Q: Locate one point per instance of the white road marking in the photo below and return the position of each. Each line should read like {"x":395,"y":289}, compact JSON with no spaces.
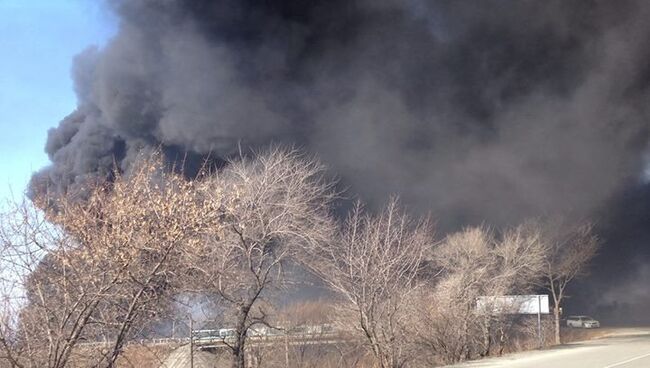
{"x":627,"y":361}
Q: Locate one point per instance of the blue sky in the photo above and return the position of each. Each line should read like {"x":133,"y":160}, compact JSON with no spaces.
{"x":38,"y":40}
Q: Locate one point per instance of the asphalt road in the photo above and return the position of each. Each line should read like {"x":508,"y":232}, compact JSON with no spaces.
{"x":629,"y":348}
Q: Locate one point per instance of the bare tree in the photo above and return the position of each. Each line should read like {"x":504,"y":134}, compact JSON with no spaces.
{"x":273,"y":204}
{"x":373,"y":266}
{"x":570,"y":250}
{"x":21,"y":233}
{"x":49,"y":300}
{"x":99,"y":265}
{"x":139,"y":229}
{"x":474,"y":263}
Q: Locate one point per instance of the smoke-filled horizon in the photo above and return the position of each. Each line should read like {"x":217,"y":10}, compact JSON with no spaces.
{"x":476,"y":112}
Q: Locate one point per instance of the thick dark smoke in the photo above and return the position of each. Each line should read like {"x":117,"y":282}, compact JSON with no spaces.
{"x":476,"y":111}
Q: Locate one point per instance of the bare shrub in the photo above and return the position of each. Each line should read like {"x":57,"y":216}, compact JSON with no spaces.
{"x":474,"y":263}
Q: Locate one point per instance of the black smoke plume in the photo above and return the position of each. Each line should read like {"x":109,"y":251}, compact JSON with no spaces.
{"x":476,"y":111}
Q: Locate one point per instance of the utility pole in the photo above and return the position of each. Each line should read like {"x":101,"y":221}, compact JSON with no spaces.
{"x":539,"y":320}
{"x":191,"y":343}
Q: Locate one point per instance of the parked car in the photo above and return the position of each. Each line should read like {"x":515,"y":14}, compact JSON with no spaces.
{"x":582,"y":322}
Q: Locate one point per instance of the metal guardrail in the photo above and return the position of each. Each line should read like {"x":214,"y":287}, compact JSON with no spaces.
{"x":222,"y":342}
{"x":157,"y":341}
{"x":268,"y":340}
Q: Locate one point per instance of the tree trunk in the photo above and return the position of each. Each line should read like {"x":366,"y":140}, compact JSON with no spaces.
{"x":239,"y":346}
{"x":502,"y":341}
{"x":556,"y":315}
{"x":487,"y":338}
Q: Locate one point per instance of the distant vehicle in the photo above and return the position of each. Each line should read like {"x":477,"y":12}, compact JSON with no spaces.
{"x":582,"y":322}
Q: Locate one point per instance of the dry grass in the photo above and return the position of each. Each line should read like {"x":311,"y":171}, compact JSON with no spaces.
{"x":136,"y":355}
{"x":584,"y":334}
{"x":145,"y":356}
